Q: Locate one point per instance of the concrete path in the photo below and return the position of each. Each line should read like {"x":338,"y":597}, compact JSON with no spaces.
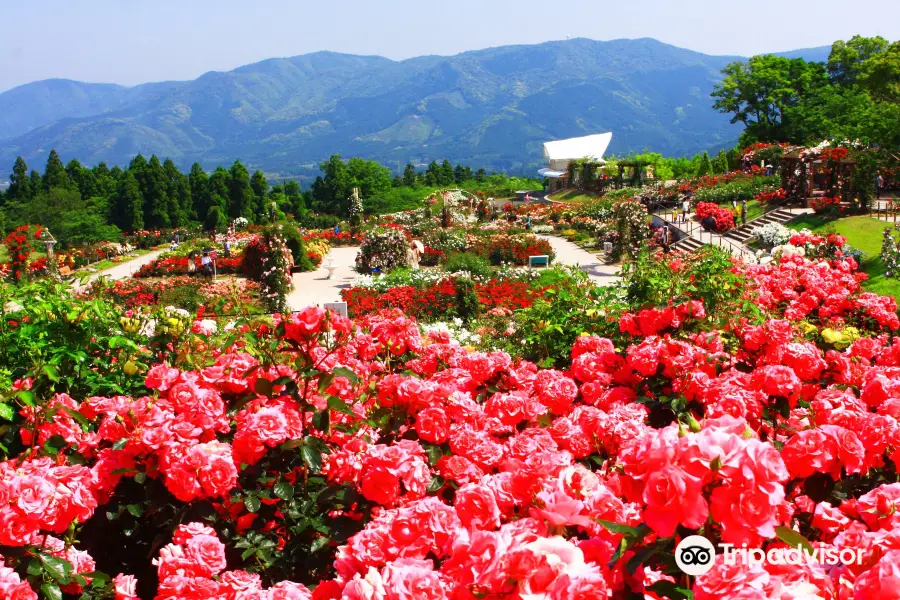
{"x":568,"y":253}
{"x":122,"y":270}
{"x":312,"y":288}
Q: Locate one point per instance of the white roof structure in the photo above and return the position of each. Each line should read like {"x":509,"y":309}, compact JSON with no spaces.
{"x":560,"y":152}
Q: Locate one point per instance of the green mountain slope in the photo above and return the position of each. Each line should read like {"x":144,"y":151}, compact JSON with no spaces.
{"x":491,"y":108}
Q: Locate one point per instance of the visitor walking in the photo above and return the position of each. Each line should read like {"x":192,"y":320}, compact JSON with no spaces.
{"x":743,"y":212}
{"x":227,"y":247}
{"x":337,"y":229}
{"x":685,"y":209}
{"x":412,"y":256}
{"x":666,"y":238}
{"x":528,"y":223}
{"x":879,"y":186}
{"x":206,"y":264}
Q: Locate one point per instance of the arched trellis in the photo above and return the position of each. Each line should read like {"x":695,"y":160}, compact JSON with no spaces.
{"x":827,"y":171}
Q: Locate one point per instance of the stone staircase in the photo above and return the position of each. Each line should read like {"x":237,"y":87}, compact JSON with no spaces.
{"x":744,"y":233}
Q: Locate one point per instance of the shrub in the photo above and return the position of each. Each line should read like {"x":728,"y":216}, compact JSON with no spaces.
{"x":513,"y":249}
{"x":294,"y":241}
{"x":469,"y":263}
{"x":187,"y":297}
{"x":740,"y":189}
{"x":467,"y":303}
{"x":724,"y":217}
{"x":384,"y":249}
{"x":773,"y":234}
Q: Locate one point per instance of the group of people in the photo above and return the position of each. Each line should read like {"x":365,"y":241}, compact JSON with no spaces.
{"x":207,"y":257}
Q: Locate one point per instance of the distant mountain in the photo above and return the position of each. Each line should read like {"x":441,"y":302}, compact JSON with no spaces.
{"x":492,"y":108}
{"x":818,"y":54}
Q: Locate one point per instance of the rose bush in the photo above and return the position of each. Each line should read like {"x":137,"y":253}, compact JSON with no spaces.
{"x":320,"y":458}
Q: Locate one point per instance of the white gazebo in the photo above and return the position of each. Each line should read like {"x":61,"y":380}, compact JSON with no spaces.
{"x":560,"y":153}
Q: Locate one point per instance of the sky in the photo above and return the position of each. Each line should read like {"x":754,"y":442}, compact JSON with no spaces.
{"x":136,"y":41}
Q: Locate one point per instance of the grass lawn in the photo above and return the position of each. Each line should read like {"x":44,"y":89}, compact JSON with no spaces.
{"x":4,"y":255}
{"x":861,"y":232}
{"x":573,"y":196}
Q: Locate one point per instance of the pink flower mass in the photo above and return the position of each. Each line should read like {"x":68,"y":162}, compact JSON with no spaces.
{"x":464,"y":475}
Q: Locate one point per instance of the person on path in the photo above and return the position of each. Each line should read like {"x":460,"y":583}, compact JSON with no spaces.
{"x":879,"y":186}
{"x":227,"y":248}
{"x":528,"y":223}
{"x":337,"y":229}
{"x":412,"y":256}
{"x":685,"y":209}
{"x":206,"y":264}
{"x":743,"y":212}
{"x":666,"y":238}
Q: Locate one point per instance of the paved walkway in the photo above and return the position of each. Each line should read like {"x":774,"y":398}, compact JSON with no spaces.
{"x":568,"y":253}
{"x":122,"y":270}
{"x":312,"y":288}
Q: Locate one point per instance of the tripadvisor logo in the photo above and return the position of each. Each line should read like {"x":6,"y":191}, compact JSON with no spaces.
{"x":696,"y":555}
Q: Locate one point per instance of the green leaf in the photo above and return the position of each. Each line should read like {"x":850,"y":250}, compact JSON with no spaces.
{"x":325,"y":379}
{"x":58,"y":568}
{"x":619,"y":528}
{"x":98,"y":578}
{"x":434,"y":454}
{"x":77,"y":416}
{"x":793,"y":539}
{"x":135,"y":509}
{"x":26,"y":396}
{"x":311,"y":456}
{"x":671,"y":590}
{"x":435,"y":484}
{"x":284,"y":490}
{"x":322,"y":421}
{"x":345,"y":372}
{"x":120,"y":444}
{"x":335,"y":403}
{"x":6,"y":412}
{"x":51,"y":591}
{"x":34,"y":568}
{"x":252,"y":504}
{"x":318,"y":544}
{"x":263,"y":387}
{"x":51,"y":373}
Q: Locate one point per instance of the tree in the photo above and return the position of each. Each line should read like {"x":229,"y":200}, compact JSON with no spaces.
{"x":372,"y":178}
{"x":846,"y":58}
{"x":480,"y":175}
{"x":154,"y":189}
{"x":106,"y":180}
{"x":433,"y":175}
{"x":178,"y":192}
{"x":880,"y":74}
{"x":294,"y":197}
{"x":19,"y":184}
{"x":446,"y":173}
{"x":461,"y":174}
{"x":128,"y":208}
{"x":200,"y":192}
{"x":37,"y":182}
{"x":705,"y":167}
{"x":55,"y":174}
{"x":331,"y":192}
{"x":260,"y":186}
{"x":409,"y":176}
{"x":240,"y":195}
{"x":720,"y":163}
{"x":760,"y":91}
{"x":82,"y":178}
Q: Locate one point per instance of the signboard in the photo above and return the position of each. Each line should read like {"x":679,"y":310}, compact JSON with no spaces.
{"x":339,"y":308}
{"x":538,"y":262}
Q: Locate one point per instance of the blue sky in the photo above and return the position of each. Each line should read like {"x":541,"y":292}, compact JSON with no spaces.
{"x":135,"y":41}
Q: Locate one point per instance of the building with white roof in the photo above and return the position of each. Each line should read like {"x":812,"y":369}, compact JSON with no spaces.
{"x":560,"y":153}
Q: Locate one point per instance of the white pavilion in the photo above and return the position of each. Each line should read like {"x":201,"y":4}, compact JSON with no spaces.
{"x":560,"y":153}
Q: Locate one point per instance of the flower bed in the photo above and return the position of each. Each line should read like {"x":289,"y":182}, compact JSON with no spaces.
{"x":368,"y":461}
{"x":724,"y":217}
{"x":211,"y":297}
{"x":512,"y":249}
{"x":168,"y":265}
{"x":436,"y":300}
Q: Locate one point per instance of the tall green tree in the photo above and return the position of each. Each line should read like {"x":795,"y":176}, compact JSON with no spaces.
{"x":880,"y":74}
{"x":178,"y":191}
{"x":260,"y":186}
{"x":846,"y":58}
{"x":409,"y":176}
{"x":761,"y":91}
{"x":154,"y":189}
{"x":19,"y":184}
{"x":128,"y":207}
{"x":55,"y":173}
{"x":37,"y":182}
{"x":200,"y":193}
{"x":82,"y":178}
{"x":240,"y":195}
{"x":705,"y":167}
{"x":446,"y":173}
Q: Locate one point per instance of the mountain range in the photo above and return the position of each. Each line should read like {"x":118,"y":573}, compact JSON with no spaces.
{"x":488,"y":108}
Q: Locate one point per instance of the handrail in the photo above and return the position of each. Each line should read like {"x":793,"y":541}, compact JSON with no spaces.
{"x":714,"y":239}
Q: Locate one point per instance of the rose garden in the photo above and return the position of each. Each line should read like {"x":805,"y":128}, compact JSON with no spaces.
{"x":495,"y":398}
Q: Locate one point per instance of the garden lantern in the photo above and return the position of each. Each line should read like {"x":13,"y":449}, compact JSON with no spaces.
{"x":49,"y":242}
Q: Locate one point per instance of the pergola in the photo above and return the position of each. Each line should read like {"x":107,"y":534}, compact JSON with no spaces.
{"x":805,"y":176}
{"x":560,"y":154}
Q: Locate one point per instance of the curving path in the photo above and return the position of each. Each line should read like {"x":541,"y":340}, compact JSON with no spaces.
{"x":313,"y":288}
{"x":568,"y":253}
{"x":122,"y":270}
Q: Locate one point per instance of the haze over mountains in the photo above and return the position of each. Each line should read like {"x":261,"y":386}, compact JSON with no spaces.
{"x":489,"y":108}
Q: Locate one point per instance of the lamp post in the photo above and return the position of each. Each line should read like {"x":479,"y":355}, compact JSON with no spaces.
{"x":49,"y":242}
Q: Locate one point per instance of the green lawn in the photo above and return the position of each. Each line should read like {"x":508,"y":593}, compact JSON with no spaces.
{"x":863,"y":233}
{"x":573,"y":196}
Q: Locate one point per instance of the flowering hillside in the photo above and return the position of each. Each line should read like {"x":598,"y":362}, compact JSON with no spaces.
{"x":318,"y":457}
